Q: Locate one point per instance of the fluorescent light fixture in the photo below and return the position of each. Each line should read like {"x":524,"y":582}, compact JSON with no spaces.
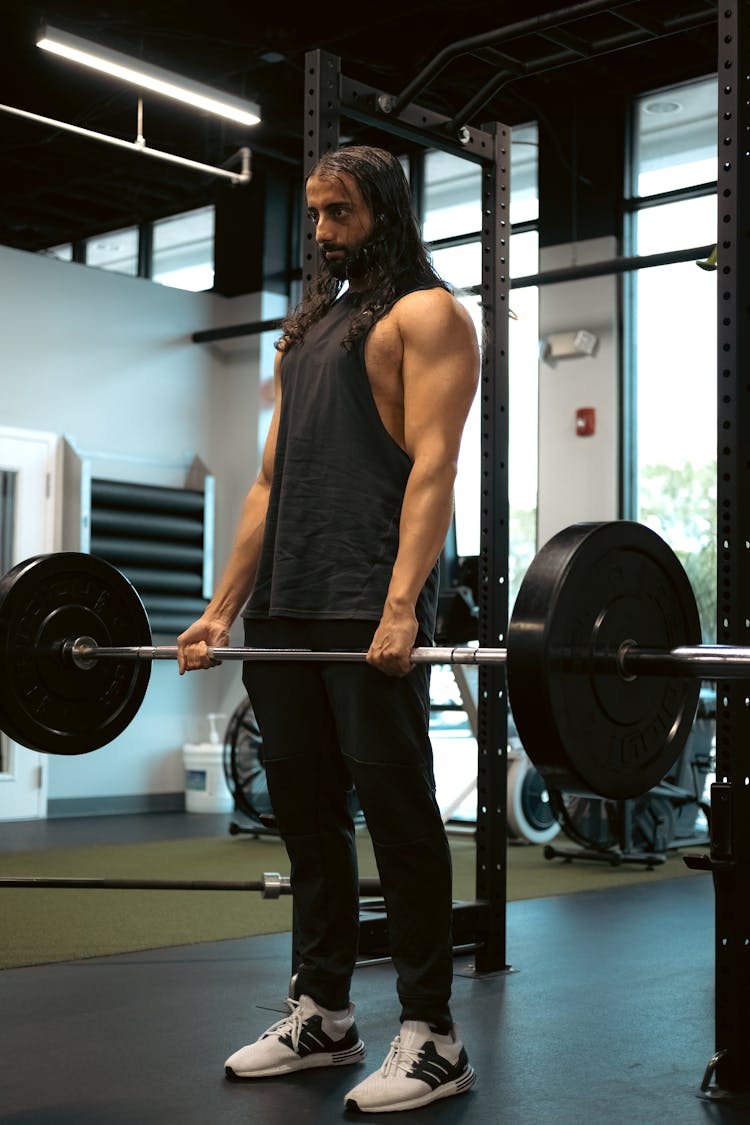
{"x":147,"y":76}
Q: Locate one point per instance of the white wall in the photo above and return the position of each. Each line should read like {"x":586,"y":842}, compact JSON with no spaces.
{"x":578,"y":478}
{"x":107,"y":361}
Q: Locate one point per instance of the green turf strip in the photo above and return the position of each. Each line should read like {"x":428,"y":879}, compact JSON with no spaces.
{"x":39,"y":926}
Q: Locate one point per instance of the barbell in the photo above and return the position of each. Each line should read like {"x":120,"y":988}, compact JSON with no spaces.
{"x":271,"y":886}
{"x":603,"y":657}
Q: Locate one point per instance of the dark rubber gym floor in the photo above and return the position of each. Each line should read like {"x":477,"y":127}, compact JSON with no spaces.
{"x":606,"y":1019}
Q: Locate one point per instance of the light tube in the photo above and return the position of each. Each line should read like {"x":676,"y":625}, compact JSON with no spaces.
{"x":147,"y":76}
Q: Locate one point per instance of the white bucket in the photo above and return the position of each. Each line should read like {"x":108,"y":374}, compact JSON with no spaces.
{"x":206,"y":787}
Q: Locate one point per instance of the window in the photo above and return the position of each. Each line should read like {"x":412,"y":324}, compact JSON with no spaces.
{"x":523,"y":351}
{"x":672,"y":314}
{"x":116,"y":251}
{"x":452,"y":221}
{"x":183,"y":251}
{"x":524,"y":172}
{"x":64,"y":253}
{"x":675,"y":138}
{"x":452,"y":197}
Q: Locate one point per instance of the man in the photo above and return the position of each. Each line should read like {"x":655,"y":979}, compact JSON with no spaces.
{"x":337,"y":548}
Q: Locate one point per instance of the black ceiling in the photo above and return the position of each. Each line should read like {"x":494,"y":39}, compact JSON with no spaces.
{"x":56,"y":187}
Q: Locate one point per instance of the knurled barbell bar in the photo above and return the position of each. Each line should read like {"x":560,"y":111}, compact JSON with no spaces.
{"x":704,"y":662}
{"x":84,"y":652}
{"x":603,"y":657}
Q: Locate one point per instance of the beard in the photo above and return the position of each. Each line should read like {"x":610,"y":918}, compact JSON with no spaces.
{"x":354,"y":265}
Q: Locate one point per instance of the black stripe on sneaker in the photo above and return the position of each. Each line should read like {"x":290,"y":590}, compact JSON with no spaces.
{"x":434,"y":1070}
{"x":312,"y":1039}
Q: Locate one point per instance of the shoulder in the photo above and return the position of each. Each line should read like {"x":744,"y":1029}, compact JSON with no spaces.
{"x":420,"y":300}
{"x":432,"y":312}
{"x":435,"y":304}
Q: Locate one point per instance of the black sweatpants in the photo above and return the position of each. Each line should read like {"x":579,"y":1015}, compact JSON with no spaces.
{"x":326,"y":726}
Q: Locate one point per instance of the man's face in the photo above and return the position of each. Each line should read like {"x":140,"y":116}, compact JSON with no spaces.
{"x":343,"y":222}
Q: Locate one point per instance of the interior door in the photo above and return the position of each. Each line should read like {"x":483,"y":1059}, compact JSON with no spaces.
{"x":28,"y":477}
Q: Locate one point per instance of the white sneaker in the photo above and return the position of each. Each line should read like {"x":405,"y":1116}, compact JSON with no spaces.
{"x":420,"y":1067}
{"x":309,"y":1036}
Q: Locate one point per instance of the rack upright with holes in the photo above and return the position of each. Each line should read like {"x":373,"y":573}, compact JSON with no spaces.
{"x":728,"y":1074}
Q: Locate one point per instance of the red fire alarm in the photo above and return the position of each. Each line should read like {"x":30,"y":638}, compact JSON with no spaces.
{"x":585,"y":421}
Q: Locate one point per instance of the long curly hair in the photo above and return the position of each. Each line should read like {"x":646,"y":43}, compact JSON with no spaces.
{"x":397,"y":258}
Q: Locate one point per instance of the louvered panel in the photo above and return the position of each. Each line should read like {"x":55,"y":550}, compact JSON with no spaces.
{"x":157,"y":537}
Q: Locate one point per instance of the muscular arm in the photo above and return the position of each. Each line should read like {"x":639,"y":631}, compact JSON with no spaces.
{"x":236,"y":582}
{"x":440,"y":372}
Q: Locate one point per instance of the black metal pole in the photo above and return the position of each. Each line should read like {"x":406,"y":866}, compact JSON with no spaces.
{"x":492,"y":711}
{"x":250,"y":328}
{"x":611,"y":266}
{"x":730,"y":802}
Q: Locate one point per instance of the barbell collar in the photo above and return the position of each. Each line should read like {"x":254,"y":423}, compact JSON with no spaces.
{"x":275,"y":885}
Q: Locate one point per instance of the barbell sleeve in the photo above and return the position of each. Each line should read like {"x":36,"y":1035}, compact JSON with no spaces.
{"x":702,"y":662}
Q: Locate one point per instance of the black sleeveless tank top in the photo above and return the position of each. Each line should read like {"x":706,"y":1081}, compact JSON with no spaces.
{"x":332,"y":527}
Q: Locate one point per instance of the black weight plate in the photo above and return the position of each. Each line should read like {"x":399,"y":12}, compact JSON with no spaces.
{"x":590,"y":588}
{"x":48,"y":703}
